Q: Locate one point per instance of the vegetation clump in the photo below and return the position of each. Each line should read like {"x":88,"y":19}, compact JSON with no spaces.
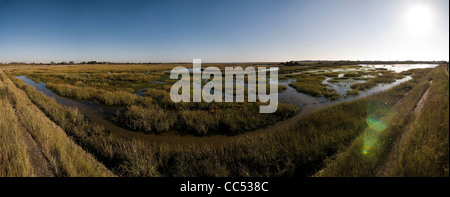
{"x":313,"y":85}
{"x":387,"y":77}
{"x":149,"y":119}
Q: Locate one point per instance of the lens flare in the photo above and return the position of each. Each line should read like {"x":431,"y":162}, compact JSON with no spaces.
{"x":376,"y":124}
{"x":370,"y":139}
{"x":375,"y":110}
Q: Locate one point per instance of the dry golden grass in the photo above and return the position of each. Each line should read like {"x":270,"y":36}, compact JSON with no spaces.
{"x":14,"y":160}
{"x":68,"y":158}
{"x":426,"y":149}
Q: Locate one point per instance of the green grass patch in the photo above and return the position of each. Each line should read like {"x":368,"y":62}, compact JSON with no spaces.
{"x":313,"y":85}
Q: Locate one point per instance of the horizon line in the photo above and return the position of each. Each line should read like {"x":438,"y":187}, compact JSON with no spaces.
{"x":218,"y":62}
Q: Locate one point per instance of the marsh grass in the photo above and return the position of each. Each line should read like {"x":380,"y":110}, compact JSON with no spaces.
{"x":386,"y":77}
{"x":370,"y":149}
{"x":65,"y":155}
{"x":111,"y":151}
{"x":331,"y":74}
{"x":127,"y":157}
{"x":300,"y":151}
{"x":153,"y":113}
{"x":14,"y":160}
{"x":108,"y":77}
{"x":352,"y":93}
{"x":202,"y":119}
{"x":426,"y":149}
{"x":352,"y":75}
{"x":149,"y":119}
{"x":281,"y":88}
{"x":313,"y":85}
{"x":99,"y":95}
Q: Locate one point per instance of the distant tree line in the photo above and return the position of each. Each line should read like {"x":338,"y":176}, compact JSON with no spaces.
{"x":348,"y":62}
{"x":288,"y":63}
{"x":73,"y":63}
{"x":291,"y":63}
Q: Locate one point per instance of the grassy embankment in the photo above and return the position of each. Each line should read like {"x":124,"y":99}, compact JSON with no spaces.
{"x":67,"y":157}
{"x":300,"y":151}
{"x":426,"y":149}
{"x":425,"y":153}
{"x":14,"y":161}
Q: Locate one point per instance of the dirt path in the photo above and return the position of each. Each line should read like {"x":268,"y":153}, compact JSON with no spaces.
{"x":384,"y":170}
{"x":421,"y":103}
{"x":40,"y":163}
{"x":446,"y":71}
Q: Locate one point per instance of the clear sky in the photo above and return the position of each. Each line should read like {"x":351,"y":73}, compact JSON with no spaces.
{"x":223,"y":31}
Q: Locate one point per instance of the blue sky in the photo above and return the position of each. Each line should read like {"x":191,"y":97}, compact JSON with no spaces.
{"x":223,"y":31}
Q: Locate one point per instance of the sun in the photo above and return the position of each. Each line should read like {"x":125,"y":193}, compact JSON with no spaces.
{"x":419,"y":18}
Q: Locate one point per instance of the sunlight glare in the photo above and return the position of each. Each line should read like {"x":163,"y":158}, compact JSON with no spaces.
{"x":419,"y":19}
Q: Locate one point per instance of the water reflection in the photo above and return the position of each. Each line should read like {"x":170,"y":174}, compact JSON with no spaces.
{"x":398,"y":67}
